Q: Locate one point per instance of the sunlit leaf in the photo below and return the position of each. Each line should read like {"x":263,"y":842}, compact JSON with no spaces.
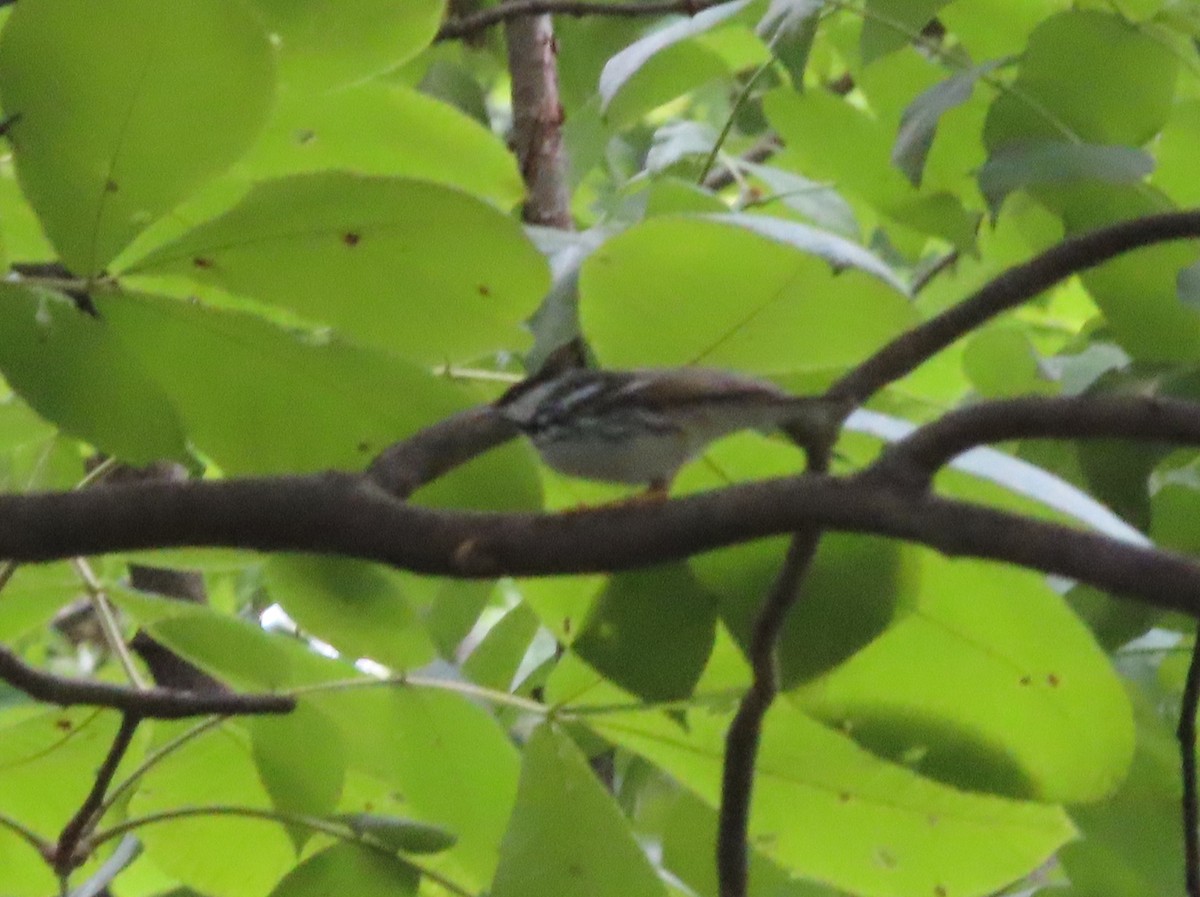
{"x":620,"y":68}
{"x":169,"y":97}
{"x":400,"y":264}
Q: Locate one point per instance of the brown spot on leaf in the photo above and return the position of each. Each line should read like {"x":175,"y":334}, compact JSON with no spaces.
{"x":844,"y":796}
{"x":1052,"y":680}
{"x":110,"y":186}
{"x":1026,"y":680}
{"x":350,"y":238}
{"x":363,"y":446}
{"x":63,"y":724}
{"x":940,"y":890}
{"x":304,"y":136}
{"x":483,"y":289}
{"x":202,"y":263}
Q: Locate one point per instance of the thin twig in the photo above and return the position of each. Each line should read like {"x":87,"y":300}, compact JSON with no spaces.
{"x":1187,"y":756}
{"x":108,"y":622}
{"x":727,"y":127}
{"x":66,"y":854}
{"x":486,"y":18}
{"x":154,"y":756}
{"x":943,"y":263}
{"x":767,"y":146}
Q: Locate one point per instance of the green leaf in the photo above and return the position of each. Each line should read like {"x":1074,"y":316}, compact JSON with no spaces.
{"x":854,"y":590}
{"x":357,"y":607}
{"x":838,"y":251}
{"x":750,"y":302}
{"x":34,"y":595}
{"x":624,"y":65}
{"x":401,"y":264}
{"x":454,"y":765}
{"x":403,"y":835}
{"x":126,"y":107}
{"x":689,"y":833}
{"x":350,"y":869}
{"x":872,"y":828}
{"x":1045,"y":716}
{"x":889,"y":25}
{"x":25,"y":871}
{"x":567,"y":836}
{"x":1036,"y":163}
{"x":382,"y":129}
{"x":651,"y":631}
{"x":233,"y":650}
{"x":301,"y":761}
{"x":324,"y":45}
{"x":51,"y":354}
{"x":1106,"y":860}
{"x":204,"y":358}
{"x":1086,"y":76}
{"x":789,"y":27}
{"x":1001,"y":362}
{"x":853,"y":152}
{"x":225,"y":856}
{"x":1138,"y":291}
{"x":920,"y":120}
{"x":48,"y":757}
{"x":495,"y":661}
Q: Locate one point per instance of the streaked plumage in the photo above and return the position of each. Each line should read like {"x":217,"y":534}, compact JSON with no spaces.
{"x":641,"y":426}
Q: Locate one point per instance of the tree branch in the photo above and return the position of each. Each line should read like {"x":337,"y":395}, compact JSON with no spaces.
{"x":348,"y":515}
{"x":915,"y":459}
{"x":537,"y":119}
{"x":1074,"y":254}
{"x":151,"y":703}
{"x":486,"y":18}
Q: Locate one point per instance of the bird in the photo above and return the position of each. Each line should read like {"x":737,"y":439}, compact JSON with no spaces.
{"x":639,"y":427}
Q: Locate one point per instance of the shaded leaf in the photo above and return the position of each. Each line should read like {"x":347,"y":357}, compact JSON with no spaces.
{"x":1018,"y":166}
{"x":789,"y":27}
{"x":223,"y":855}
{"x":919,"y":122}
{"x":1088,"y":76}
{"x":301,"y":762}
{"x":403,"y":835}
{"x":567,"y":835}
{"x":357,"y":607}
{"x":889,"y":25}
{"x":350,"y":869}
{"x":1045,"y":718}
{"x":75,"y":371}
{"x":651,"y":631}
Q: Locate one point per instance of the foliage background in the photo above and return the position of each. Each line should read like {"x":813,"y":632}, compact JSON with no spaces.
{"x":298,"y":222}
